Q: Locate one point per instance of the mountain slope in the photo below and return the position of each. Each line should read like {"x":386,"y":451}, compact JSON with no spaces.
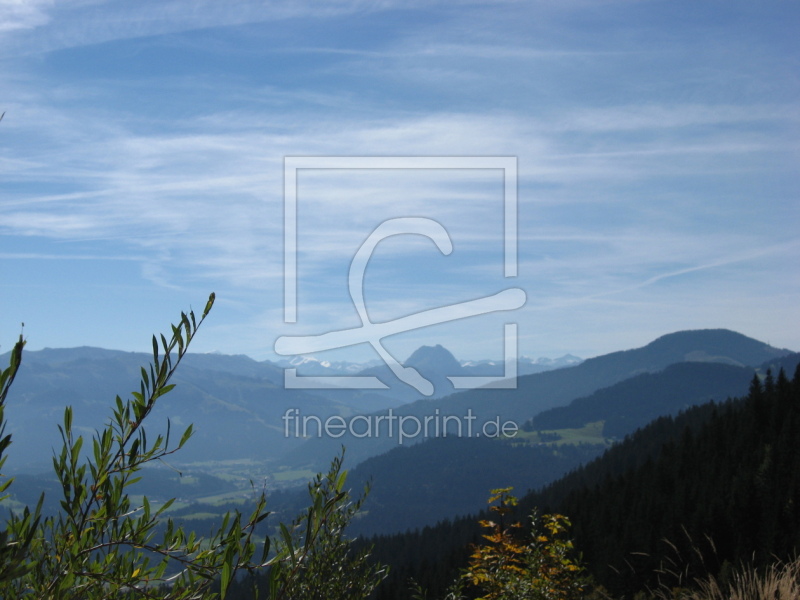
{"x":633,"y":403}
{"x":237,"y":404}
{"x":417,"y":486}
{"x":729,"y":472}
{"x":541,"y":391}
{"x":235,"y":416}
{"x":434,"y":363}
{"x":414,"y":486}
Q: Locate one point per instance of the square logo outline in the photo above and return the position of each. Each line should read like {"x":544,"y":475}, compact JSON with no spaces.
{"x":292,"y":167}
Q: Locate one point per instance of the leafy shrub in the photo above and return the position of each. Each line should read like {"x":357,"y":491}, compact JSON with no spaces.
{"x":99,"y":545}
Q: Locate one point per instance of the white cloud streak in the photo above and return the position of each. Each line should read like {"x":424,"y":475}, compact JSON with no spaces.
{"x":617,"y":197}
{"x":23,"y":14}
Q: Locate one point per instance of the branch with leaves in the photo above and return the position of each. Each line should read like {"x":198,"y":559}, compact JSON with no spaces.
{"x":100,"y":545}
{"x":513,"y":564}
{"x":540,"y":566}
{"x":314,"y":560}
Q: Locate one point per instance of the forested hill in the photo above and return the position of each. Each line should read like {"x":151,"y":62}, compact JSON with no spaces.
{"x":731,"y":473}
{"x":727,"y":472}
{"x":421,"y":484}
{"x":444,"y":477}
{"x":635,"y":402}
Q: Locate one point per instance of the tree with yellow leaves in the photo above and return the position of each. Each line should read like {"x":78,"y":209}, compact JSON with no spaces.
{"x":541,"y":567}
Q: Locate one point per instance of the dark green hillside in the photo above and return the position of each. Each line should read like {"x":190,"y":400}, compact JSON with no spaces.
{"x":728,"y":471}
{"x":735,"y":479}
{"x":416,"y":486}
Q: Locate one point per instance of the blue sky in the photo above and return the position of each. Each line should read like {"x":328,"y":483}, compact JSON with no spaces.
{"x":142,"y":152}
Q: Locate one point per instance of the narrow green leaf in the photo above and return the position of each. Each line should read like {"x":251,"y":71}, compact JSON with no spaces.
{"x":225,"y":579}
{"x":186,"y":435}
{"x":262,"y":516}
{"x":209,"y":304}
{"x":166,"y":347}
{"x":67,"y":419}
{"x":133,"y":451}
{"x":186,"y":326}
{"x":265,"y":551}
{"x":176,"y":337}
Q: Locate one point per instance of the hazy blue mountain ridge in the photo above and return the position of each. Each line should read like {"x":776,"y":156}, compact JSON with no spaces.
{"x":234,"y":415}
{"x":541,"y":391}
{"x":452,"y":476}
{"x":415,"y":486}
{"x":235,"y":403}
{"x":634,"y":402}
{"x":237,"y":412}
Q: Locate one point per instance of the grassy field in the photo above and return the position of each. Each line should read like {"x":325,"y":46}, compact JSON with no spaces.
{"x":591,"y":433}
{"x":296,"y":475}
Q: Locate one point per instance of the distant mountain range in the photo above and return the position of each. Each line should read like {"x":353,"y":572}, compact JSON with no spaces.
{"x":526,"y":365}
{"x":234,"y":402}
{"x":238,"y":405}
{"x":434,"y":363}
{"x":311,"y":365}
{"x":542,"y":391}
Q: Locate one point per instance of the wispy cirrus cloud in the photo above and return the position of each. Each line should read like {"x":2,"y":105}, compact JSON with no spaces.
{"x":23,"y":14}
{"x":157,"y":130}
{"x":154,"y":190}
{"x":59,"y":25}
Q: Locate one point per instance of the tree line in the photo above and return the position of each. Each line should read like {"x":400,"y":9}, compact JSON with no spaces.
{"x":705,"y":492}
